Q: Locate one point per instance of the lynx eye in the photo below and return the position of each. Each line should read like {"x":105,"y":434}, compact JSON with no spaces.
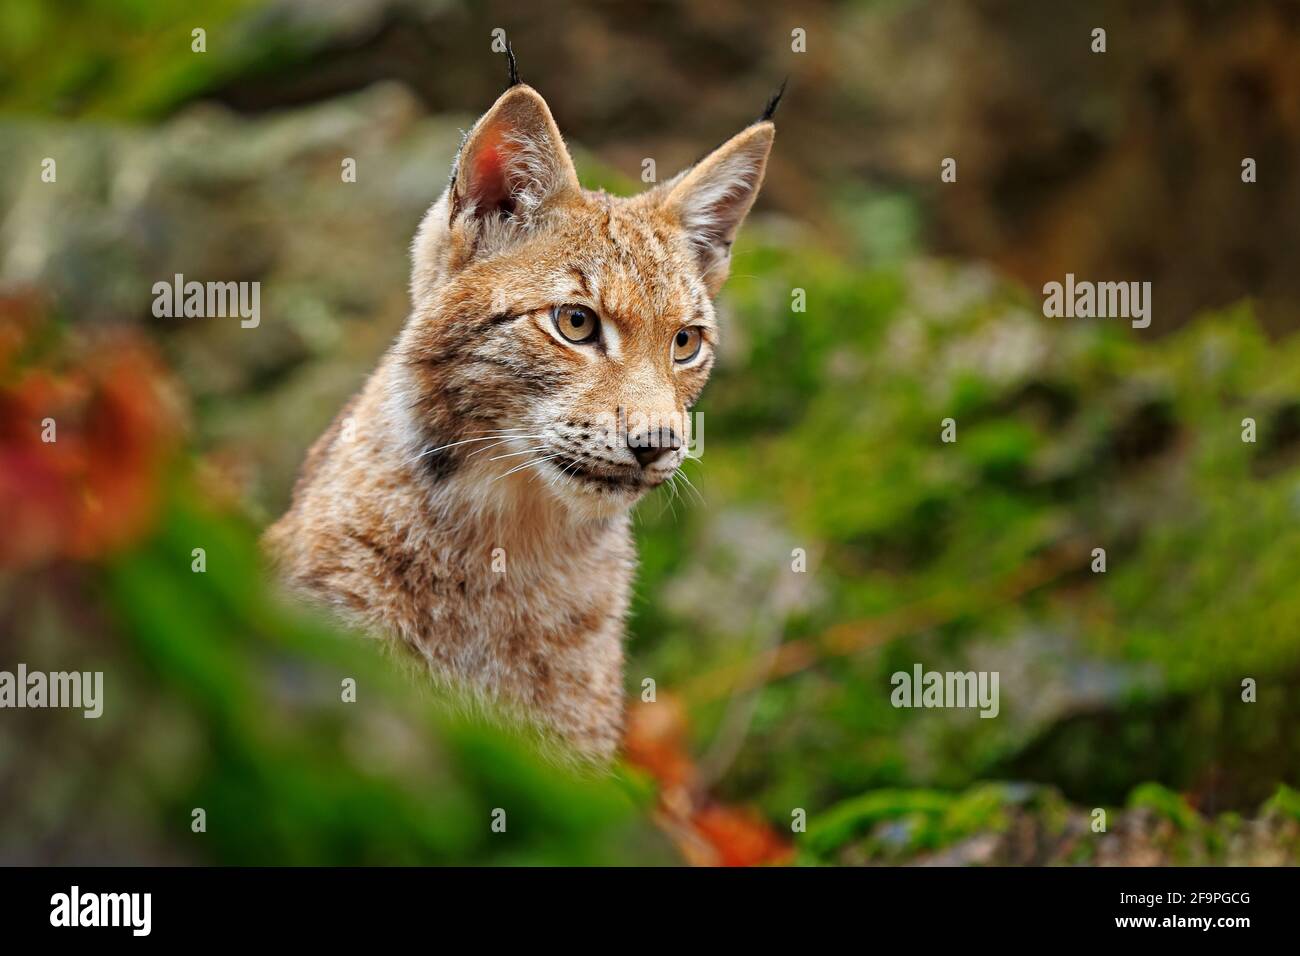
{"x":686,"y":345}
{"x":576,"y":324}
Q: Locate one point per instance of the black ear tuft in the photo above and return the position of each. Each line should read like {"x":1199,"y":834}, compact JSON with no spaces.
{"x":514,"y":67}
{"x":770,"y":109}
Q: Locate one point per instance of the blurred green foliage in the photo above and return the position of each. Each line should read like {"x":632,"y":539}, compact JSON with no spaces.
{"x":259,"y":736}
{"x":133,"y":58}
{"x":266,"y":686}
{"x":828,"y":424}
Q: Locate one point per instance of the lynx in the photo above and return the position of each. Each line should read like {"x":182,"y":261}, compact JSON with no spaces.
{"x":472,"y":501}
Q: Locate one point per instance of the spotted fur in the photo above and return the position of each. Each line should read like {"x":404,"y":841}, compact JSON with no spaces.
{"x":471,"y":502}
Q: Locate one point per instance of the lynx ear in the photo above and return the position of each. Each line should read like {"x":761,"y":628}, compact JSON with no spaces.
{"x":512,"y":161}
{"x":712,"y":198}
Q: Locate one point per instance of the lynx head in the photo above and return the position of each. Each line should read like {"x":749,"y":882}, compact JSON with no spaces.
{"x":563,"y":332}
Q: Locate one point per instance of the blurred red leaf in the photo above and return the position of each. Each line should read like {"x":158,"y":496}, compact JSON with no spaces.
{"x":113,"y":420}
{"x":707,"y":833}
{"x":741,"y":837}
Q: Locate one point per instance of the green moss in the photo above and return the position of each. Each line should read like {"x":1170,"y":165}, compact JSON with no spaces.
{"x":924,"y":820}
{"x":1168,"y":805}
{"x":1285,"y":803}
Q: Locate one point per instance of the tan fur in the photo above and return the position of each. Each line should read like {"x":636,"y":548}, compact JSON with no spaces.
{"x":400,"y":508}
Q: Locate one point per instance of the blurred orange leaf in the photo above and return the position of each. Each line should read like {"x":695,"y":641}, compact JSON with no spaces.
{"x":707,"y":833}
{"x":83,"y":439}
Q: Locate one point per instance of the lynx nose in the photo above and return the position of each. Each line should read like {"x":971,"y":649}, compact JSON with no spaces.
{"x":649,"y":447}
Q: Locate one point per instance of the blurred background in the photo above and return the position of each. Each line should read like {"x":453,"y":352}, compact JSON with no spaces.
{"x":1120,"y":690}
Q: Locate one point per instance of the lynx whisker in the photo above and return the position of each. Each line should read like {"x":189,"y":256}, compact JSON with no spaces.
{"x":535,"y":461}
{"x":515,"y":454}
{"x":691,"y":485}
{"x":465,"y":441}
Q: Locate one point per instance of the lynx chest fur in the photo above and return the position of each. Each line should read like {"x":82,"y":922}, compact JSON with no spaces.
{"x":472,"y":501}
